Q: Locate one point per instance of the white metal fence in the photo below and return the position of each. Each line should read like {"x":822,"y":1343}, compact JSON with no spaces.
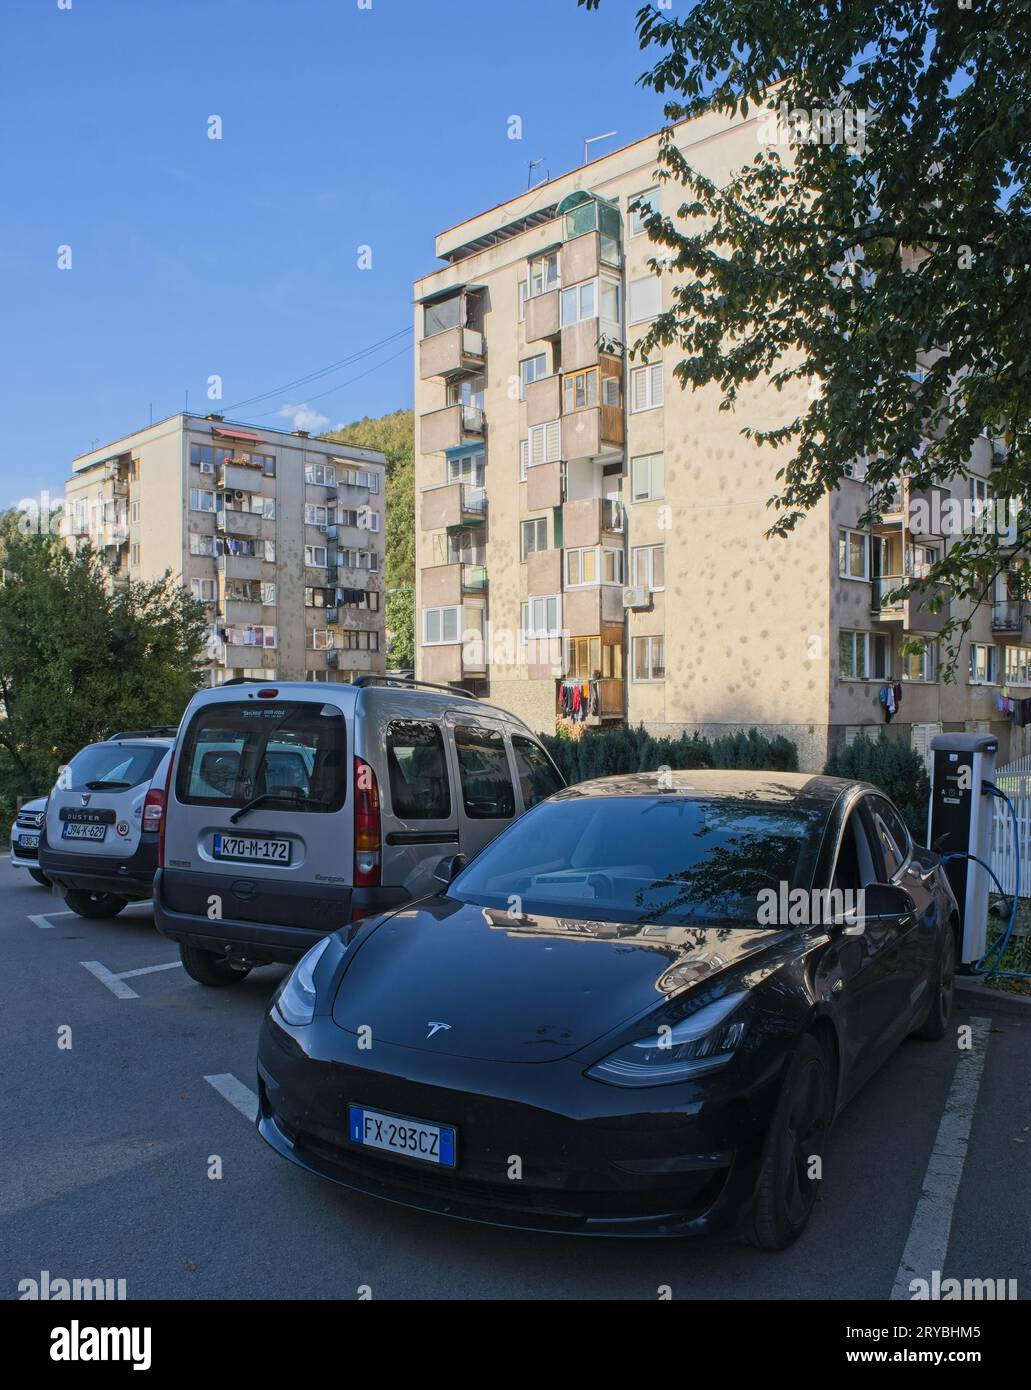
{"x":1015,"y":780}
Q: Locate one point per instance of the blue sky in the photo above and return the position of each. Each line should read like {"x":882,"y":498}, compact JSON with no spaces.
{"x":341,"y":127}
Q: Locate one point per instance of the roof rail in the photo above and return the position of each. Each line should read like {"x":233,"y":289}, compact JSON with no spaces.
{"x":156,"y":731}
{"x":406,"y":682}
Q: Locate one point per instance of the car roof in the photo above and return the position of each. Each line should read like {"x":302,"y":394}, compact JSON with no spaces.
{"x":800,"y":790}
{"x":348,"y":697}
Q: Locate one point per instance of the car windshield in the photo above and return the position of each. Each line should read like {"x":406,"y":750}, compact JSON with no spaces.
{"x":119,"y":765}
{"x":292,"y":752}
{"x":667,"y":859}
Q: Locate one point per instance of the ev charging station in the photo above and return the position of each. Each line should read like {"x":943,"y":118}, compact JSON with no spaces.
{"x":959,"y":823}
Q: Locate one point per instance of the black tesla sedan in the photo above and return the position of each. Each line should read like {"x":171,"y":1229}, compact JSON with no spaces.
{"x":636,"y":1012}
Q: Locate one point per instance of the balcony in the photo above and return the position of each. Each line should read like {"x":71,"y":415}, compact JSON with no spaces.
{"x":448,"y":428}
{"x":587,"y":610}
{"x":244,"y":657}
{"x":543,"y":572}
{"x":229,"y":522}
{"x":605,"y":699}
{"x":441,"y":586}
{"x":239,"y":566}
{"x":239,"y":477}
{"x":453,"y":506}
{"x":441,"y":665}
{"x":1009,"y":615}
{"x":542,"y":317}
{"x":580,"y":345}
{"x":587,"y":521}
{"x":580,"y":258}
{"x":474,"y":579}
{"x":115,"y":533}
{"x":592,"y":432}
{"x":544,"y":486}
{"x":455,"y":352}
{"x":242,"y":613}
{"x":908,"y":611}
{"x":544,"y":400}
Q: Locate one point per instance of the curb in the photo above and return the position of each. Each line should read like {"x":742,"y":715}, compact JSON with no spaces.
{"x":978,"y":990}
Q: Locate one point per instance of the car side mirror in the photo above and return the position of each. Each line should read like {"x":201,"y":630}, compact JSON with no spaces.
{"x":449,"y":868}
{"x":878,"y":902}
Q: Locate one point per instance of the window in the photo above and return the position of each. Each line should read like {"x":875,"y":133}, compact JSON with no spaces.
{"x":891,"y":834}
{"x":611,"y":390}
{"x":650,"y":202}
{"x":535,"y":770}
{"x":522,"y":300}
{"x":649,"y":567}
{"x":579,"y":302}
{"x":316,"y":516}
{"x":982,"y":664}
{"x":134,"y":512}
{"x":206,"y":590}
{"x":853,"y":554}
{"x":1018,"y":665}
{"x":524,"y":458}
{"x":439,"y":317}
{"x":250,"y":635}
{"x":649,"y":658}
{"x":534,"y":535}
{"x":864,"y":656}
{"x":134,"y":553}
{"x":610,"y":301}
{"x":319,"y":598}
{"x":202,"y":456}
{"x":542,"y":616}
{"x":201,"y":500}
{"x":487,"y":790}
{"x":419,"y":786}
{"x":316,"y":556}
{"x":587,"y":657}
{"x":648,"y":480}
{"x":358,"y":598}
{"x":594,"y":565}
{"x":441,"y":626}
{"x":580,"y":390}
{"x":359,"y":560}
{"x":321,"y":639}
{"x":646,"y":387}
{"x":294,"y":750}
{"x":532,"y":369}
{"x":352,"y":641}
{"x":645,"y":298}
{"x":466,"y":468}
{"x":320,"y":474}
{"x":545,"y":443}
{"x":543,"y":275}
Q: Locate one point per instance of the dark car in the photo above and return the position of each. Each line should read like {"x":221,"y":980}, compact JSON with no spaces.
{"x":636,"y":1012}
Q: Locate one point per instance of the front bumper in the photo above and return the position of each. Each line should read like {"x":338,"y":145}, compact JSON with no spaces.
{"x":130,"y":877}
{"x":591,"y":1159}
{"x":22,"y":856}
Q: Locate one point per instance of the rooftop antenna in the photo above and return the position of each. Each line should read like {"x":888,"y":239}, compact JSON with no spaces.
{"x":593,"y":140}
{"x":534,"y":164}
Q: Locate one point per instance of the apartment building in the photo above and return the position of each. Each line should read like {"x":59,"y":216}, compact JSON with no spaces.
{"x":590,"y":536}
{"x":281,"y":536}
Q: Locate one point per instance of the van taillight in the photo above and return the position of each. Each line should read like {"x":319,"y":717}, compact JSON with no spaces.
{"x":366,"y":826}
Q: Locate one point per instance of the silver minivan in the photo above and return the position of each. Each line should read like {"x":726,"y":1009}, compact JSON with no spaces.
{"x":99,"y":838}
{"x":294,"y":808}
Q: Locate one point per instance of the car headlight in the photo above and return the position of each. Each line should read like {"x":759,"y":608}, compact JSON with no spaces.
{"x":697,"y":1044}
{"x":295,"y":998}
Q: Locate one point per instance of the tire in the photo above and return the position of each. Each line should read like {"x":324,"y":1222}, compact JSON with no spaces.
{"x":94,"y":904}
{"x":208,"y":969}
{"x":939,"y":1010}
{"x":785,"y":1194}
{"x":39,"y":877}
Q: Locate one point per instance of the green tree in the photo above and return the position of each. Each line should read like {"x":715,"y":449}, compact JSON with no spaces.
{"x":80,"y":657}
{"x":394,"y":436}
{"x":881,"y":257}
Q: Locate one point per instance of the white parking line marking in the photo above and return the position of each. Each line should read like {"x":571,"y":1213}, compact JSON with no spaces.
{"x":117,"y":987}
{"x":150,"y":969}
{"x":236,"y":1093}
{"x":928,"y":1242}
{"x":42,"y":922}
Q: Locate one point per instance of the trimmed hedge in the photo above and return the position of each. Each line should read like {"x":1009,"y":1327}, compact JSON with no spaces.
{"x":634,"y":750}
{"x":892,"y":766}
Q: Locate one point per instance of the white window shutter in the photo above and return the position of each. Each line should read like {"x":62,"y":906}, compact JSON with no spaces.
{"x":524,"y":457}
{"x":656,"y":384}
{"x":553,"y":436}
{"x":638,"y":386}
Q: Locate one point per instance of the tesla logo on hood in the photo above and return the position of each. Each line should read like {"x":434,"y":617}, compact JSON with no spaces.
{"x":436,"y":1028}
{"x":85,"y":798}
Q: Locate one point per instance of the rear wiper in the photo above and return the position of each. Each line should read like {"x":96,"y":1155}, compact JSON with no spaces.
{"x":105,"y":786}
{"x":270,"y":798}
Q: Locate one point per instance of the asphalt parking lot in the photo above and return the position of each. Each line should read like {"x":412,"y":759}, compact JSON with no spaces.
{"x":109,"y":1144}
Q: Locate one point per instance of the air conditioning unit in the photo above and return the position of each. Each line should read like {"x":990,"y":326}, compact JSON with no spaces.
{"x":207,"y":466}
{"x":635,"y":597}
{"x":331,"y":530}
{"x":321,"y":526}
{"x":239,"y":494}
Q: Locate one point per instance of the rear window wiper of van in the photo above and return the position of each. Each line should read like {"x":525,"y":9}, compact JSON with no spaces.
{"x":274,"y":798}
{"x":101,"y":786}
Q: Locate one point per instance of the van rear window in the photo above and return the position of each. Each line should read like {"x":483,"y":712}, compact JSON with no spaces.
{"x":292,"y":755}
{"x":112,"y":767}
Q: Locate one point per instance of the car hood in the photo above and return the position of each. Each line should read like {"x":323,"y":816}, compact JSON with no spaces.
{"x":469,"y":981}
